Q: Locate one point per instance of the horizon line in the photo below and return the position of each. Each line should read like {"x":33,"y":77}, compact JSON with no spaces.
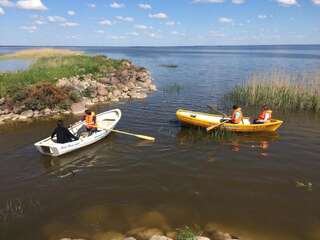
{"x":159,"y":46}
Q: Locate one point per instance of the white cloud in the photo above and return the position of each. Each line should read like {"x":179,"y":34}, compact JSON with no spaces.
{"x":117,"y":5}
{"x":144,"y":6}
{"x":91,"y":5}
{"x":39,"y":22}
{"x":171,"y":23}
{"x":118,"y":37}
{"x":178,"y":33}
{"x":71,"y":13}
{"x":143,"y":27}
{"x":29,"y":29}
{"x":287,"y":3}
{"x":133,"y":34}
{"x":54,"y":19}
{"x":6,"y":3}
{"x":31,"y":5}
{"x":105,"y":22}
{"x":69,"y":24}
{"x":100,"y":31}
{"x":158,"y":16}
{"x":225,"y":20}
{"x":317,"y":2}
{"x":152,"y":35}
{"x":216,"y":34}
{"x":238,"y":1}
{"x":208,"y":1}
{"x":124,"y":19}
{"x":1,"y":11}
{"x":261,"y":16}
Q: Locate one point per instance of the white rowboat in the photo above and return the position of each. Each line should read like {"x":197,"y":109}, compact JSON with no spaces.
{"x":105,"y":121}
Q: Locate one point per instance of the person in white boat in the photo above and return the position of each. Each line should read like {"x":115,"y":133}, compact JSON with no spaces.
{"x":63,"y":134}
{"x":90,"y":123}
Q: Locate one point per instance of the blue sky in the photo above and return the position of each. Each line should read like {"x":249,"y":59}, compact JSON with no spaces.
{"x":159,"y":22}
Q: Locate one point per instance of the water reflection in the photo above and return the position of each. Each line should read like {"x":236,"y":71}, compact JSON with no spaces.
{"x":237,"y":141}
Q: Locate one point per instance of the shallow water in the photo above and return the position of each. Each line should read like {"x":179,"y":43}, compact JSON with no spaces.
{"x":246,"y":184}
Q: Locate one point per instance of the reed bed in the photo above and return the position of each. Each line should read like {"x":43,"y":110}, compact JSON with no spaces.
{"x":280,"y":90}
{"x":40,"y":53}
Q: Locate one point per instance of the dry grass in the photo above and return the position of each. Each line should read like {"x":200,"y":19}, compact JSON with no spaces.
{"x":279,"y":90}
{"x":41,"y":52}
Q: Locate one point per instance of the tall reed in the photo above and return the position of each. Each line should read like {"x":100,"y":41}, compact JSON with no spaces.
{"x":280,"y":90}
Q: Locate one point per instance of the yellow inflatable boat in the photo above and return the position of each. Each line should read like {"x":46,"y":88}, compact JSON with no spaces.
{"x":207,"y":120}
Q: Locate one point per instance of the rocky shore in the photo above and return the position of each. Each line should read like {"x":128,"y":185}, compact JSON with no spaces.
{"x":109,"y":85}
{"x":209,"y":232}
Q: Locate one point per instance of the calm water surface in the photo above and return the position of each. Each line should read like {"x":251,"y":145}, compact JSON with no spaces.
{"x":246,"y":184}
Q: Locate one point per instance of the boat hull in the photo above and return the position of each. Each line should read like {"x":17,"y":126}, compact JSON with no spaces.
{"x":49,"y":147}
{"x":206,"y":120}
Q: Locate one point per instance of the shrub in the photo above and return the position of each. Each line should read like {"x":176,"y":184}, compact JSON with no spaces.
{"x":186,"y":233}
{"x":75,"y":96}
{"x":45,"y":95}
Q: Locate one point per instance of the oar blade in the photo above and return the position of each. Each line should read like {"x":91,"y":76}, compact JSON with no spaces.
{"x":213,"y":127}
{"x":146,"y":137}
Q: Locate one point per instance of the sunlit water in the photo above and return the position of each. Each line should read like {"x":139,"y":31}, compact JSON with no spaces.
{"x":246,"y":184}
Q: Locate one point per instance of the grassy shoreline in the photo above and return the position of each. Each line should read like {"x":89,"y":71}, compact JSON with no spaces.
{"x":51,"y":69}
{"x":280,"y":90}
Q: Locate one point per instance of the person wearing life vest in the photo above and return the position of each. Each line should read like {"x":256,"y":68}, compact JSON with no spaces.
{"x":90,"y":120}
{"x":90,"y":123}
{"x":265,"y":116}
{"x":237,"y":116}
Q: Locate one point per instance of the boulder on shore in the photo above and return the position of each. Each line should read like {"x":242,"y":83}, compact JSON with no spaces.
{"x":78,"y":108}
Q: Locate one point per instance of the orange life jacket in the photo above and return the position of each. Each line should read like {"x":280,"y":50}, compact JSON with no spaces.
{"x":235,"y":119}
{"x":89,"y":120}
{"x":262,"y":115}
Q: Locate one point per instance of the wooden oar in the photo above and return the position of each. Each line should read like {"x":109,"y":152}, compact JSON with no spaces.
{"x":215,"y":126}
{"x":131,"y":134}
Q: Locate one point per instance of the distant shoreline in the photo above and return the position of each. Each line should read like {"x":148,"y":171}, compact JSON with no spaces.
{"x":168,"y":46}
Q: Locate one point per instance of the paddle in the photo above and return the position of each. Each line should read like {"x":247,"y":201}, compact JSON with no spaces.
{"x":131,"y":134}
{"x":134,"y":135}
{"x":215,"y":126}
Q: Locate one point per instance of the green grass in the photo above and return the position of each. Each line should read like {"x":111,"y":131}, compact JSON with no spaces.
{"x":279,"y":90}
{"x":53,"y":68}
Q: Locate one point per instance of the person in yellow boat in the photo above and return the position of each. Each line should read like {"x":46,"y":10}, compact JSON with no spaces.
{"x":237,"y":116}
{"x":265,"y":116}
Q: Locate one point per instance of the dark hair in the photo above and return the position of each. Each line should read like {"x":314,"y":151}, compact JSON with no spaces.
{"x":60,"y":123}
{"x":265,"y":107}
{"x":87,"y":111}
{"x":235,"y":107}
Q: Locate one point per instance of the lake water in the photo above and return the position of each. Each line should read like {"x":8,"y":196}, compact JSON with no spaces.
{"x":246,"y":184}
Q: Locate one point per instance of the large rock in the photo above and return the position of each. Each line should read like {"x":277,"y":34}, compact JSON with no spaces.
{"x":116,"y":93}
{"x":137,"y":95}
{"x":144,"y":233}
{"x":2,"y":101}
{"x":102,"y":91}
{"x":109,"y":236}
{"x":159,"y":237}
{"x":78,"y":108}
{"x":27,"y":114}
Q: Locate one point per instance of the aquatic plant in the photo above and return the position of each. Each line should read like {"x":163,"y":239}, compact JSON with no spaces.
{"x":173,"y":88}
{"x":169,"y":65}
{"x":53,"y":68}
{"x":40,"y":52}
{"x":186,"y":233}
{"x":280,"y":90}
